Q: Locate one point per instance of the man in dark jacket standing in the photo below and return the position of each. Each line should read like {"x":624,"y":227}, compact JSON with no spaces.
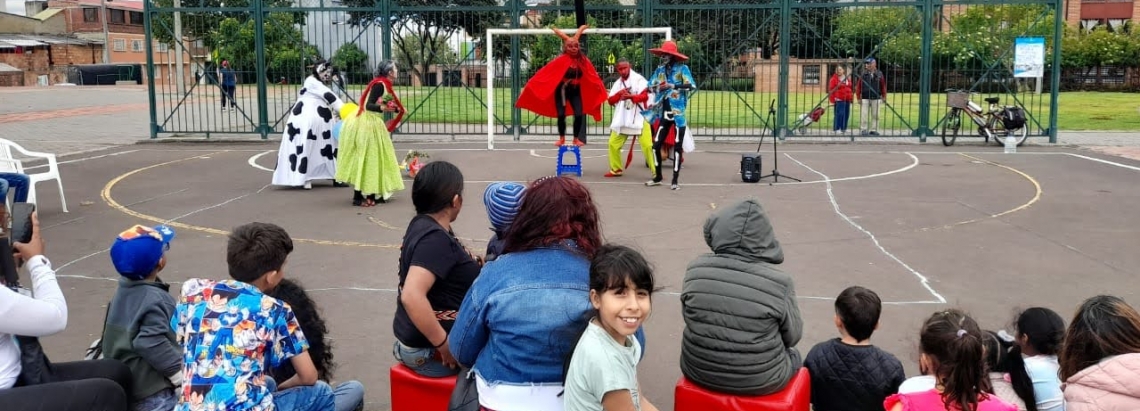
{"x":871,"y":90}
{"x":741,"y":319}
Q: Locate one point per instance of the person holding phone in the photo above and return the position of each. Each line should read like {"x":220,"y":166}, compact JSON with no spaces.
{"x":82,"y":385}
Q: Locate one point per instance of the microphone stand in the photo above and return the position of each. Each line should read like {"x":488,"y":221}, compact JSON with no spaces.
{"x":775,"y":153}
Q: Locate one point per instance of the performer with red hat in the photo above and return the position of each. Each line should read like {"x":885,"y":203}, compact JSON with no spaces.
{"x":572,"y":81}
{"x":671,"y":82}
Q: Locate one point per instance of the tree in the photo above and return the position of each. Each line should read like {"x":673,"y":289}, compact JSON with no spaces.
{"x":350,"y":59}
{"x":287,"y":55}
{"x":721,"y":34}
{"x":423,"y":26}
{"x":203,"y":25}
{"x":859,"y":31}
{"x":420,"y":55}
{"x":603,"y":13}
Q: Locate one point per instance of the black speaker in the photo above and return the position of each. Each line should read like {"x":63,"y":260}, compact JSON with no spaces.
{"x":750,"y":168}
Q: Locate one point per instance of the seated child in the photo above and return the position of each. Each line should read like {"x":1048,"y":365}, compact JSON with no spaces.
{"x":137,"y":329}
{"x":997,"y":346}
{"x":349,"y":394}
{"x":602,"y":371}
{"x":231,"y":333}
{"x":502,"y":200}
{"x":951,"y":350}
{"x":742,"y":322}
{"x":848,"y":373}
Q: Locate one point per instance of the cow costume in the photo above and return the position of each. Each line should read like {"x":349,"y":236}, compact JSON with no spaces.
{"x":308,"y":150}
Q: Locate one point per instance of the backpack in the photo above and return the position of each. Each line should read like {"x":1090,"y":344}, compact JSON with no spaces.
{"x":1013,"y":118}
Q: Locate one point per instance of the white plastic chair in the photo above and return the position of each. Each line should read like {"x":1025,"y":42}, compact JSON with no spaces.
{"x":9,"y":164}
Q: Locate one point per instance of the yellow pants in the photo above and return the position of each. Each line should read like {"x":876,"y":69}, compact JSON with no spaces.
{"x":618,"y":140}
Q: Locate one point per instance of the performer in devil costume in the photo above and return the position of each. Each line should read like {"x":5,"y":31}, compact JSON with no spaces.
{"x":572,"y":81}
{"x":369,"y":159}
{"x":672,"y":82}
{"x":308,"y":151}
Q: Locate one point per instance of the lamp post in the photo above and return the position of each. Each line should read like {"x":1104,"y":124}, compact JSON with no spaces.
{"x":106,"y":36}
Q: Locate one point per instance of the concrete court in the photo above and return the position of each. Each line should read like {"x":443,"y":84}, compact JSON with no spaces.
{"x":990,"y":232}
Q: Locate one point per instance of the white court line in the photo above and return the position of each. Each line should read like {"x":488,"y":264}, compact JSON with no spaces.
{"x":1105,"y":161}
{"x":835,"y":205}
{"x":253,"y":161}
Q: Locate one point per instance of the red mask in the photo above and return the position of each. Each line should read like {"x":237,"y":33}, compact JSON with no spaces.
{"x":623,"y":70}
{"x":571,"y":48}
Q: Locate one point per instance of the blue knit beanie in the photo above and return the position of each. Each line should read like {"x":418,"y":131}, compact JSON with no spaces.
{"x":502,"y":200}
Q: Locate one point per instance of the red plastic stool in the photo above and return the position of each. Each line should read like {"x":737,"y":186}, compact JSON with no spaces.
{"x":796,"y":396}
{"x":414,"y":392}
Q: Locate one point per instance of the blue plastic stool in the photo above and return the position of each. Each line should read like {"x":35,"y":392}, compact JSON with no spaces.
{"x":575,"y":168}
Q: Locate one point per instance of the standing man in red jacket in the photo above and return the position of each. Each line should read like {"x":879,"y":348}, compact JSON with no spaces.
{"x":871,"y":90}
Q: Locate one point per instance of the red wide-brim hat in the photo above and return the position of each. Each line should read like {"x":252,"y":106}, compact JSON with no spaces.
{"x":670,"y":48}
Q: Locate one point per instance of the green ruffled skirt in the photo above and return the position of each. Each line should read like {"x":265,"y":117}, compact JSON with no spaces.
{"x":367,"y":158}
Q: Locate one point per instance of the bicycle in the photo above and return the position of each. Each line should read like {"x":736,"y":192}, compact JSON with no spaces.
{"x":993,"y":123}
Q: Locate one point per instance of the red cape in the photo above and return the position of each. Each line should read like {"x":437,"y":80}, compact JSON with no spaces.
{"x":538,"y":94}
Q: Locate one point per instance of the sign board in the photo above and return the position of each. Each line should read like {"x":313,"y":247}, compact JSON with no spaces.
{"x":1029,"y":57}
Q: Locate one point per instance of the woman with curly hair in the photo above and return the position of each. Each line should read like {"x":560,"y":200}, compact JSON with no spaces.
{"x":367,"y":156}
{"x":349,"y":395}
{"x":543,"y":276}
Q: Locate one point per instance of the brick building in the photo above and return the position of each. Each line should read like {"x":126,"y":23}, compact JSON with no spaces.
{"x":56,"y":34}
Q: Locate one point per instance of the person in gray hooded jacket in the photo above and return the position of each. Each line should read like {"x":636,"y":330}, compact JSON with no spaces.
{"x":741,"y":318}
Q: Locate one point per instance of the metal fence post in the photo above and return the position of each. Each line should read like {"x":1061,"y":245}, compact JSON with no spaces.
{"x":149,"y":68}
{"x":386,"y":29}
{"x":516,"y":68}
{"x":926,"y":64}
{"x":780,"y":129}
{"x":262,"y":71}
{"x":1055,"y":87}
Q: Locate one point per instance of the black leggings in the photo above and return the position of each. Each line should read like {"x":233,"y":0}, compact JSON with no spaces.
{"x":660,"y":135}
{"x":100,"y":385}
{"x":573,"y":94}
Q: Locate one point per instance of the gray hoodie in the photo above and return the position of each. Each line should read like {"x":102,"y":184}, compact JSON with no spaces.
{"x":741,"y":318}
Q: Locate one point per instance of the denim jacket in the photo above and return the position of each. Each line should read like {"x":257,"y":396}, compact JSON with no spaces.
{"x":523,"y":316}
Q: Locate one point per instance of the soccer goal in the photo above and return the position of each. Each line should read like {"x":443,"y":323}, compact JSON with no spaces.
{"x":491,"y":33}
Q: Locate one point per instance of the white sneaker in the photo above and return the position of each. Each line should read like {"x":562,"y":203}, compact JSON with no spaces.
{"x":652,"y":183}
{"x":308,"y":185}
{"x":674,"y":187}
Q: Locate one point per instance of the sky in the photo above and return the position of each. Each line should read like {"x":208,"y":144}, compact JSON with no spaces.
{"x":14,"y":6}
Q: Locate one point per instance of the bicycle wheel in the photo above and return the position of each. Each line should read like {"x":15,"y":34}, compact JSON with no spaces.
{"x":1019,"y":134}
{"x":950,"y":126}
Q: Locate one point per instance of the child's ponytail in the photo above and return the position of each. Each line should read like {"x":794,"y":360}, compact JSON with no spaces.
{"x":953,"y":342}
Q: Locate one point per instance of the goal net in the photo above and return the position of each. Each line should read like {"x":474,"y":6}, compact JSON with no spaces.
{"x":492,"y":33}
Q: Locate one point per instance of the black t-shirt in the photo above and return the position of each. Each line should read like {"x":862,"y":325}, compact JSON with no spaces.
{"x":428,"y":245}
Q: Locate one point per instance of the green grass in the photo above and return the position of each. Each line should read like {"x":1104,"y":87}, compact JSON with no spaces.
{"x":1078,"y":111}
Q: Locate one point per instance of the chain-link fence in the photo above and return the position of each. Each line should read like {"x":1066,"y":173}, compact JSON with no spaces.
{"x":758,"y":65}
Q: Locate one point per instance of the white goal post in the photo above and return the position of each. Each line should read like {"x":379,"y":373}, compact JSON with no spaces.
{"x":667,"y":31}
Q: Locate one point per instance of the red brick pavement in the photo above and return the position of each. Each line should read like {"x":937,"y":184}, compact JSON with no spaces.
{"x":71,"y":112}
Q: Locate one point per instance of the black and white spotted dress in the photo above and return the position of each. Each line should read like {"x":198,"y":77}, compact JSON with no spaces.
{"x":308,"y":150}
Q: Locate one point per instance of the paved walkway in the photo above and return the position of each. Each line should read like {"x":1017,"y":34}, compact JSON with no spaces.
{"x":70,"y":120}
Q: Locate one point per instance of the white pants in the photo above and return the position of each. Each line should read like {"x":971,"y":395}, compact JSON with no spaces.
{"x":870,"y":107}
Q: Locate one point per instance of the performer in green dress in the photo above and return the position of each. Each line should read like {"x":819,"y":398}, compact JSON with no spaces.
{"x":367,"y":158}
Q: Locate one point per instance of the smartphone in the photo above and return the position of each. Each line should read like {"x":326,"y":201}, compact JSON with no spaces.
{"x":22,"y":222}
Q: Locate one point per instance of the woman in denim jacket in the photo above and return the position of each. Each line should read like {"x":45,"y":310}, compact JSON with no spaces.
{"x":520,"y":319}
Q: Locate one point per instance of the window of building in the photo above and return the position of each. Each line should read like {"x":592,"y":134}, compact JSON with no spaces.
{"x":90,"y":15}
{"x":136,"y":18}
{"x":136,"y":45}
{"x":118,"y":16}
{"x":811,"y":74}
{"x":119,"y":45}
{"x":162,"y":48}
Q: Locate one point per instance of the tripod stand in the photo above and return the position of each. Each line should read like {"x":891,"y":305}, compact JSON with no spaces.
{"x":771,"y":120}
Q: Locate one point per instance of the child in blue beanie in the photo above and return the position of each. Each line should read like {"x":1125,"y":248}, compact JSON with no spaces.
{"x":502,"y":200}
